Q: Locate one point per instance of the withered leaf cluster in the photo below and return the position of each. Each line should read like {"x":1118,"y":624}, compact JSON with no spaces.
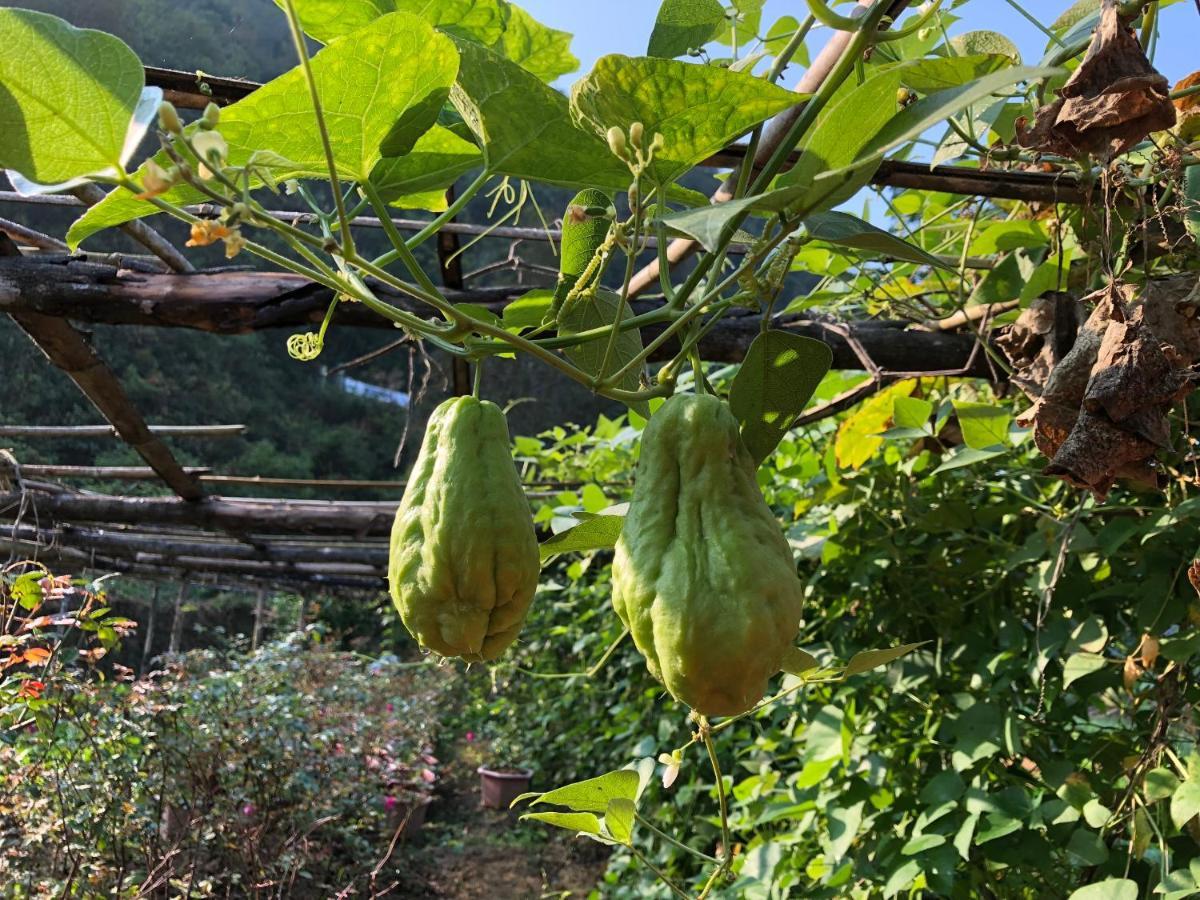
{"x":1101,"y":399}
{"x":1111,"y":102}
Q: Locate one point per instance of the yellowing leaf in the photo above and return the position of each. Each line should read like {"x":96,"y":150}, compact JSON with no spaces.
{"x":858,"y":437}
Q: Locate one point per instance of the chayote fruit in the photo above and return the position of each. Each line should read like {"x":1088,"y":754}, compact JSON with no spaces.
{"x":703,"y":577}
{"x":464,"y":558}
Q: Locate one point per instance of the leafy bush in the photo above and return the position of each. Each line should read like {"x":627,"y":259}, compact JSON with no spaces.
{"x":286,"y":772}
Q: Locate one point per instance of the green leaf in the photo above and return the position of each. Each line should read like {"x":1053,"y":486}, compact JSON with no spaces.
{"x":1108,"y":889}
{"x":846,"y":230}
{"x":984,"y":426}
{"x":27,"y":590}
{"x":67,"y":97}
{"x":1087,"y":848}
{"x":594,"y":794}
{"x":1177,"y":884}
{"x":619,"y":819}
{"x":1185,"y":802}
{"x":401,"y":70}
{"x":1080,"y":665}
{"x":585,"y":822}
{"x":921,"y":843}
{"x":684,"y":25}
{"x":439,"y":158}
{"x":598,"y":533}
{"x":873,"y":659}
{"x":698,"y":109}
{"x":798,"y":661}
{"x":536,"y":48}
{"x":1192,"y":195}
{"x":1000,"y":237}
{"x":938,"y":73}
{"x":912,"y":412}
{"x":327,"y":20}
{"x":972,"y":43}
{"x":967,"y":456}
{"x":844,"y":149}
{"x":777,"y":378}
{"x":525,"y":126}
{"x":600,"y":311}
{"x":1075,"y":13}
{"x":529,"y":310}
{"x":1159,"y":784}
{"x":965,"y":835}
{"x":705,"y":223}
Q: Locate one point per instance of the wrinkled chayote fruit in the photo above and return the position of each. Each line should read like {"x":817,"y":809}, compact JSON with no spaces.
{"x":703,"y":577}
{"x":464,"y":559}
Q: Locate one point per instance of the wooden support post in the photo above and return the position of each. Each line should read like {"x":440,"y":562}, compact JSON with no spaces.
{"x":303,"y":610}
{"x":67,"y":349}
{"x":259,"y":609}
{"x":177,"y":621}
{"x":148,"y":641}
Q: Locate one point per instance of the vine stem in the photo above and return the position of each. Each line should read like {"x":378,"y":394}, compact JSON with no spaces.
{"x":726,"y":843}
{"x":646,"y":823}
{"x":322,"y":127}
{"x":641,"y":857}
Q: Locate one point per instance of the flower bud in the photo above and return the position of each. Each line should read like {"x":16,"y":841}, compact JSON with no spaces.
{"x":636,"y":132}
{"x":616,"y":142}
{"x":211,"y":117}
{"x":168,"y":118}
{"x":657,"y":142}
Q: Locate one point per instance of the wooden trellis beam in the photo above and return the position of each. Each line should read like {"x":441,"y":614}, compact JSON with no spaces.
{"x":241,"y":302}
{"x":100,"y":473}
{"x":107,"y":431}
{"x":358,"y":519}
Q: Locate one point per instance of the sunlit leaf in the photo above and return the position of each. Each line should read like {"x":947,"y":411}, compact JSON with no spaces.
{"x":598,"y":533}
{"x":698,"y":109}
{"x":67,"y":97}
{"x":873,"y":659}
{"x":402,"y":71}
{"x":684,"y":25}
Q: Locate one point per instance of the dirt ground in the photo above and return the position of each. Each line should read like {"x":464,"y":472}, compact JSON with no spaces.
{"x":466,"y":852}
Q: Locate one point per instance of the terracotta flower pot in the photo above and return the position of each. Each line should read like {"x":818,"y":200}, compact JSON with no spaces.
{"x":500,"y":787}
{"x":411,"y":816}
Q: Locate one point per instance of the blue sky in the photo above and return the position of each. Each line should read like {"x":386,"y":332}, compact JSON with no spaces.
{"x":623,"y":26}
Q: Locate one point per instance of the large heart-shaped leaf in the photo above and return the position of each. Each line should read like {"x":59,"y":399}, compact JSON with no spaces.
{"x":598,"y":533}
{"x":536,"y":48}
{"x":697,"y":109}
{"x":525,"y":126}
{"x":67,"y":96}
{"x":327,"y":20}
{"x":381,"y":89}
{"x":778,"y":376}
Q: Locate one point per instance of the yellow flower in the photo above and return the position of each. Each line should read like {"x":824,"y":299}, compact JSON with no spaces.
{"x":207,"y":231}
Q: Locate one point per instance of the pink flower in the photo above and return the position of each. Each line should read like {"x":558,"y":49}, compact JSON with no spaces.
{"x":248,"y":810}
{"x":389,"y":803}
{"x":427,"y":776}
{"x":470,"y":736}
{"x":391,"y":708}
